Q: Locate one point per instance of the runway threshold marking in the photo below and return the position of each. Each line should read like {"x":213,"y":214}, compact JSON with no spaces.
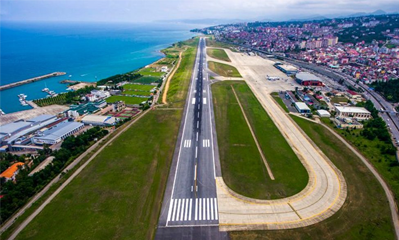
{"x":187,"y":143}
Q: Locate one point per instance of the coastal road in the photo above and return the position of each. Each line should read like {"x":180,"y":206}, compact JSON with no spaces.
{"x":190,"y":206}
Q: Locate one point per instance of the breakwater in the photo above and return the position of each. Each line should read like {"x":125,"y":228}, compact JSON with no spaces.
{"x":30,"y":80}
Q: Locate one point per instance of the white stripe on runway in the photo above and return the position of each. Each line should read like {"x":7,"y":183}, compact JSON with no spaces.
{"x":207,"y":209}
{"x":206,"y":143}
{"x":186,"y":210}
{"x":199,"y":210}
{"x":170,"y":210}
{"x":187,"y":143}
{"x":204,"y":91}
{"x":211,"y":209}
{"x":189,"y":213}
{"x":204,"y":216}
{"x":178,"y":210}
{"x":174,"y":211}
{"x":182,"y":209}
{"x":196,"y":209}
{"x":204,"y":100}
{"x":193,"y":101}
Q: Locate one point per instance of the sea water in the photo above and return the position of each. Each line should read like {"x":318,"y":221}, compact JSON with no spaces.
{"x":86,"y":52}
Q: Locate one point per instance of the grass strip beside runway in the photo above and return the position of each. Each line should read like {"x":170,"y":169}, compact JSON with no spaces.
{"x":242,"y":167}
{"x":218,"y":54}
{"x":365,"y":214}
{"x":119,"y":194}
{"x":223,"y":69}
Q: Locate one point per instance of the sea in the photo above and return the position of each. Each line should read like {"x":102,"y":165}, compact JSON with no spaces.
{"x":85,"y":51}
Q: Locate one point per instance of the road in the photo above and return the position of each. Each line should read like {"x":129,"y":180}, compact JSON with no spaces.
{"x":190,"y":206}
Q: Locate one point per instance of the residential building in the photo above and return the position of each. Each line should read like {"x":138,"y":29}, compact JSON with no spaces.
{"x":11,"y":172}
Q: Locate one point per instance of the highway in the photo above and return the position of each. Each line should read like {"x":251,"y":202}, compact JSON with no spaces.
{"x":190,"y":208}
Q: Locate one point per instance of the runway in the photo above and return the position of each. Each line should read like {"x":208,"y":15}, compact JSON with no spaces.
{"x":190,"y":199}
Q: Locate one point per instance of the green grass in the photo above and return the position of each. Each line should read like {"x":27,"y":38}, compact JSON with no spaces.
{"x":339,"y":99}
{"x":281,"y":103}
{"x":242,"y":167}
{"x":179,"y":84}
{"x":146,"y":88}
{"x":147,"y":80}
{"x":218,"y":54}
{"x":223,"y":69}
{"x":213,"y":43}
{"x":365,"y":213}
{"x":371,"y":149}
{"x":119,"y":194}
{"x":150,"y":72}
{"x":141,"y":93}
{"x":126,"y":99}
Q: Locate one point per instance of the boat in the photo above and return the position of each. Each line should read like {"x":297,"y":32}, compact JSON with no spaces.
{"x":22,"y":99}
{"x":45,"y":90}
{"x":2,"y":113}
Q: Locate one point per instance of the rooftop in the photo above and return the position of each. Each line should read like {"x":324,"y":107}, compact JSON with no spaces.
{"x":305,"y":76}
{"x":352,"y":109}
{"x":13,"y":127}
{"x":59,"y":130}
{"x":302,"y":106}
{"x":9,"y":172}
{"x":41,"y":118}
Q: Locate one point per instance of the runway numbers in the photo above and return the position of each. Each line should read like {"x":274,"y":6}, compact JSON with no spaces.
{"x":206,"y":143}
{"x":187,"y":143}
{"x":203,"y":209}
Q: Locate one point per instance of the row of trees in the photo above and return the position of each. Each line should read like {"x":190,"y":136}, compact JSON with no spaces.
{"x":120,"y":78}
{"x":71,"y":97}
{"x":17,"y":194}
{"x":389,"y":89}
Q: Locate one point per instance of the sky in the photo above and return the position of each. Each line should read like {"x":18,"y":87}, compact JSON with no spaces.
{"x":160,"y":10}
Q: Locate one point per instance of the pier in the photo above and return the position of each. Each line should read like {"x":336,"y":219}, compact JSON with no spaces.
{"x":30,"y":80}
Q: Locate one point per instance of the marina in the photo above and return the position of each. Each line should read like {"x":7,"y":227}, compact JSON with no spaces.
{"x":30,"y":80}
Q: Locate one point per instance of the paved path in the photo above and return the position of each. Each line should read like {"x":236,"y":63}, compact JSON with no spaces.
{"x":49,"y":199}
{"x":326,"y":191}
{"x":165,"y":92}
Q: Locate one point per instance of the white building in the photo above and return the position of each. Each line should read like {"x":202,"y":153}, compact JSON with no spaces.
{"x":99,"y":120}
{"x":57,"y":133}
{"x":302,"y":107}
{"x":359,"y":113}
{"x":100,"y":94}
{"x":323,"y":113}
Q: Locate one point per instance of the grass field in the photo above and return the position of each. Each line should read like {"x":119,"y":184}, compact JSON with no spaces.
{"x":281,"y":103}
{"x":374,"y":151}
{"x":146,"y":88}
{"x":365,"y":214}
{"x":150,"y":72}
{"x":339,"y":99}
{"x":126,"y":99}
{"x":179,"y":84}
{"x":141,"y":93}
{"x":119,"y":194}
{"x":242,"y":167}
{"x":211,"y":42}
{"x":223,"y":69}
{"x":218,"y":54}
{"x":146,"y":80}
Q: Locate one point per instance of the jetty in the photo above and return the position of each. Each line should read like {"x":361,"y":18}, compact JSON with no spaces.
{"x":30,"y":80}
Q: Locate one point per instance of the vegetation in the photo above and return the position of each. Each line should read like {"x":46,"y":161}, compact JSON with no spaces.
{"x":210,"y":42}
{"x":71,"y":97}
{"x":148,"y":80}
{"x":179,"y":84}
{"x":128,"y":100}
{"x":127,"y":77}
{"x":242,"y":167}
{"x":223,"y":69}
{"x":218,"y":54}
{"x":389,"y":89}
{"x":17,"y":194}
{"x":365,"y":213}
{"x":138,"y":87}
{"x":281,"y":103}
{"x":104,"y":198}
{"x":149,"y":71}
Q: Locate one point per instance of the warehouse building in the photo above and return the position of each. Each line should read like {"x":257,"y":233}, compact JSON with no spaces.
{"x":57,"y":133}
{"x":97,"y":120}
{"x":302,"y":107}
{"x":358,"y":113}
{"x":323,"y":113}
{"x":308,"y":79}
{"x":287,"y":69}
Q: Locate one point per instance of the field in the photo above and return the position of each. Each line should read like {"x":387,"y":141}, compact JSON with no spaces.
{"x":218,"y":54}
{"x":126,"y":99}
{"x":223,"y":69}
{"x":242,"y":167}
{"x":141,"y":93}
{"x":365,"y":214}
{"x":281,"y":103}
{"x":210,"y":42}
{"x":178,"y":87}
{"x":376,"y":151}
{"x":146,"y":88}
{"x":103,"y":201}
{"x":149,"y":71}
{"x":339,"y":99}
{"x":147,"y":80}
